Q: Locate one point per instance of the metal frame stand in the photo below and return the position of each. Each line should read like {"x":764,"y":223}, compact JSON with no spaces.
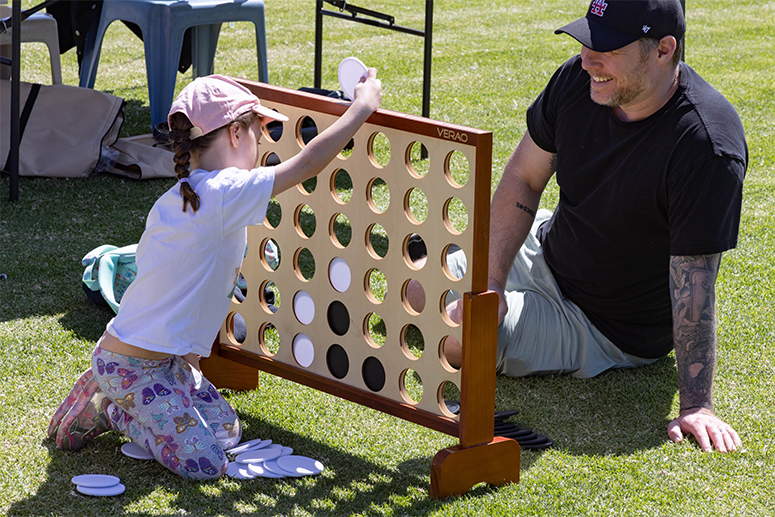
{"x":381,"y":20}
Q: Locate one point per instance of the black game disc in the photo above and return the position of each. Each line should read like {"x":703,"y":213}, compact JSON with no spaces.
{"x":373,"y":374}
{"x":338,"y":318}
{"x":337,"y":361}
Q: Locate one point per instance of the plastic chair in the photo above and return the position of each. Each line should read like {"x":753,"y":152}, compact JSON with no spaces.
{"x":163,"y":23}
{"x":40,"y":27}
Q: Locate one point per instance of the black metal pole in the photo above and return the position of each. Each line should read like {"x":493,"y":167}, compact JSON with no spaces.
{"x":318,"y":43}
{"x":428,"y":60}
{"x":16,"y":39}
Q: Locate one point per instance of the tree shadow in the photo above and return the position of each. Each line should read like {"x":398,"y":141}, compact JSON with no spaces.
{"x":350,"y":484}
{"x":619,"y":412}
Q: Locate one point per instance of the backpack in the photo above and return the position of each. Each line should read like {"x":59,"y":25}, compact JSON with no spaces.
{"x":109,"y":271}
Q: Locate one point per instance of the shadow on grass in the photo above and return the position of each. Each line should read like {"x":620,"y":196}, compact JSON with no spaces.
{"x":349,"y":485}
{"x":616,"y":413}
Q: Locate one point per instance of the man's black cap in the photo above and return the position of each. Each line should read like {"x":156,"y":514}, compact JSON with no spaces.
{"x":613,"y":24}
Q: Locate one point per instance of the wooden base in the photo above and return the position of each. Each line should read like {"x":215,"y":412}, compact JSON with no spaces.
{"x":456,"y":469}
{"x":224,"y":373}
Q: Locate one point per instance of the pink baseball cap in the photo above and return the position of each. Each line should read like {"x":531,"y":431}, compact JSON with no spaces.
{"x":214,"y":101}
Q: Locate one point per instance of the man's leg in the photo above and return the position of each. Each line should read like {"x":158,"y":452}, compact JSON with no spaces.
{"x":543,"y":332}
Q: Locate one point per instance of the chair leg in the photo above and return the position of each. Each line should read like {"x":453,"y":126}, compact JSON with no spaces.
{"x":160,"y":51}
{"x":204,"y":43}
{"x":91,"y":55}
{"x":263,"y":73}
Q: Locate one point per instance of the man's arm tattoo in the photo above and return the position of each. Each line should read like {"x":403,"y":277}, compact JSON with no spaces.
{"x":692,"y":294}
{"x":527,"y":209}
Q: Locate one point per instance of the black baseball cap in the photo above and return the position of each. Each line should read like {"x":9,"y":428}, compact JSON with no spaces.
{"x":613,"y":24}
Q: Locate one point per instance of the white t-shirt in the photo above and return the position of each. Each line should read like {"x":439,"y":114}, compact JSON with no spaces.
{"x":188,"y":263}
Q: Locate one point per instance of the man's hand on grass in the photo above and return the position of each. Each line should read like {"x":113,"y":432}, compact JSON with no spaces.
{"x":709,"y":430}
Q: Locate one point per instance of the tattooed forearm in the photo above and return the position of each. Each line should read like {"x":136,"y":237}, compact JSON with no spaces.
{"x":692,"y":293}
{"x":527,"y":209}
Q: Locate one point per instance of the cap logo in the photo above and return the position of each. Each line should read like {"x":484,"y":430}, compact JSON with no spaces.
{"x":646,"y":28}
{"x":598,"y":7}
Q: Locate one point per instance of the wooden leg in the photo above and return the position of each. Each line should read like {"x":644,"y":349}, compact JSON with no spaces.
{"x":232,"y":375}
{"x":456,"y":469}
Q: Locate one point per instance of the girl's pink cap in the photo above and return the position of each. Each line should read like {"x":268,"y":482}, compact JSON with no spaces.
{"x":214,"y":101}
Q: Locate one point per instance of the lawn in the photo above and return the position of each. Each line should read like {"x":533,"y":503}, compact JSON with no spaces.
{"x":490,"y":60}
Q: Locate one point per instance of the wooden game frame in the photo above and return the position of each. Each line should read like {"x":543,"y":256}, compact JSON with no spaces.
{"x":480,"y":457}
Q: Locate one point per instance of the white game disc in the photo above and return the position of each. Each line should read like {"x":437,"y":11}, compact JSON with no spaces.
{"x":251,"y":445}
{"x":258,"y":456}
{"x":133,"y":450}
{"x":339,"y":273}
{"x":284,"y":451}
{"x":239,"y":471}
{"x":260,"y":470}
{"x":103,"y":491}
{"x":300,"y":465}
{"x":303,"y":350}
{"x":351,"y":71}
{"x":273,"y":467}
{"x":96,"y":480}
{"x":304,"y":307}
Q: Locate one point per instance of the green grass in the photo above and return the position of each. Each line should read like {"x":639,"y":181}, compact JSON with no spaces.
{"x":491,"y":59}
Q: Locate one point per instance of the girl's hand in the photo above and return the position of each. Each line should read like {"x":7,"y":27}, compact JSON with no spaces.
{"x":369,"y":91}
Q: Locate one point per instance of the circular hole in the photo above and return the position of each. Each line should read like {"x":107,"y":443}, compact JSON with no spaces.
{"x":449,"y":352}
{"x":270,"y":160}
{"x":412,"y":341}
{"x":373,"y":374}
{"x":415,"y":252}
{"x":456,"y":169}
{"x":374,"y":330}
{"x":377,"y":241}
{"x":337,"y":361}
{"x":237,"y":331}
{"x":447,"y":310}
{"x":455,"y":216}
{"x":240,"y":290}
{"x":375,"y":285}
{"x":274,"y":214}
{"x":303,"y":307}
{"x":303,"y":350}
{"x":341,"y":186}
{"x":338,"y":318}
{"x":378,"y":195}
{"x":449,"y":398}
{"x":379,"y":150}
{"x":308,"y":187}
{"x":339,"y":274}
{"x":413,"y":296}
{"x":304,"y":264}
{"x":306,"y":130}
{"x":418,"y":160}
{"x":304,"y":221}
{"x":454,"y":262}
{"x":269,"y":339}
{"x":410,"y":386}
{"x":269,"y":254}
{"x":416,"y":206}
{"x":270,"y":297}
{"x":348,"y":150}
{"x":340,"y":231}
{"x":273,"y":131}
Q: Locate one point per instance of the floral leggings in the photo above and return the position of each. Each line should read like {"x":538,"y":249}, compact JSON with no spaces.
{"x":168,"y":408}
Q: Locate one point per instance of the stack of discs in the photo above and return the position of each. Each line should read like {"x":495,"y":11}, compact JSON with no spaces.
{"x":100,"y":485}
{"x":262,"y":458}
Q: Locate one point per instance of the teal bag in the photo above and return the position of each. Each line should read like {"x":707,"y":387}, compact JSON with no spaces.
{"x":109,"y":271}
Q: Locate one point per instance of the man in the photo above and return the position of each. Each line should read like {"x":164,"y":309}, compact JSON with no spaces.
{"x":650,"y":162}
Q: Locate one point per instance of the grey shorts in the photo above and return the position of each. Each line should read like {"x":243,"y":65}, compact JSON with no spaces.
{"x":543,"y":332}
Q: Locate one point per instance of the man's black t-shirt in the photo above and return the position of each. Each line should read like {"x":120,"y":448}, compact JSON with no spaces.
{"x":634,"y":194}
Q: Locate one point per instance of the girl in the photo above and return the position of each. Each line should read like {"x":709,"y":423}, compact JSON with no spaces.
{"x":145,"y":380}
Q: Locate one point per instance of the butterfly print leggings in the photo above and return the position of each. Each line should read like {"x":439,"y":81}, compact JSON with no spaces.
{"x":171,"y":410}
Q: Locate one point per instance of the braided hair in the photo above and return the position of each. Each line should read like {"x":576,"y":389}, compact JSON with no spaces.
{"x":183,"y":145}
